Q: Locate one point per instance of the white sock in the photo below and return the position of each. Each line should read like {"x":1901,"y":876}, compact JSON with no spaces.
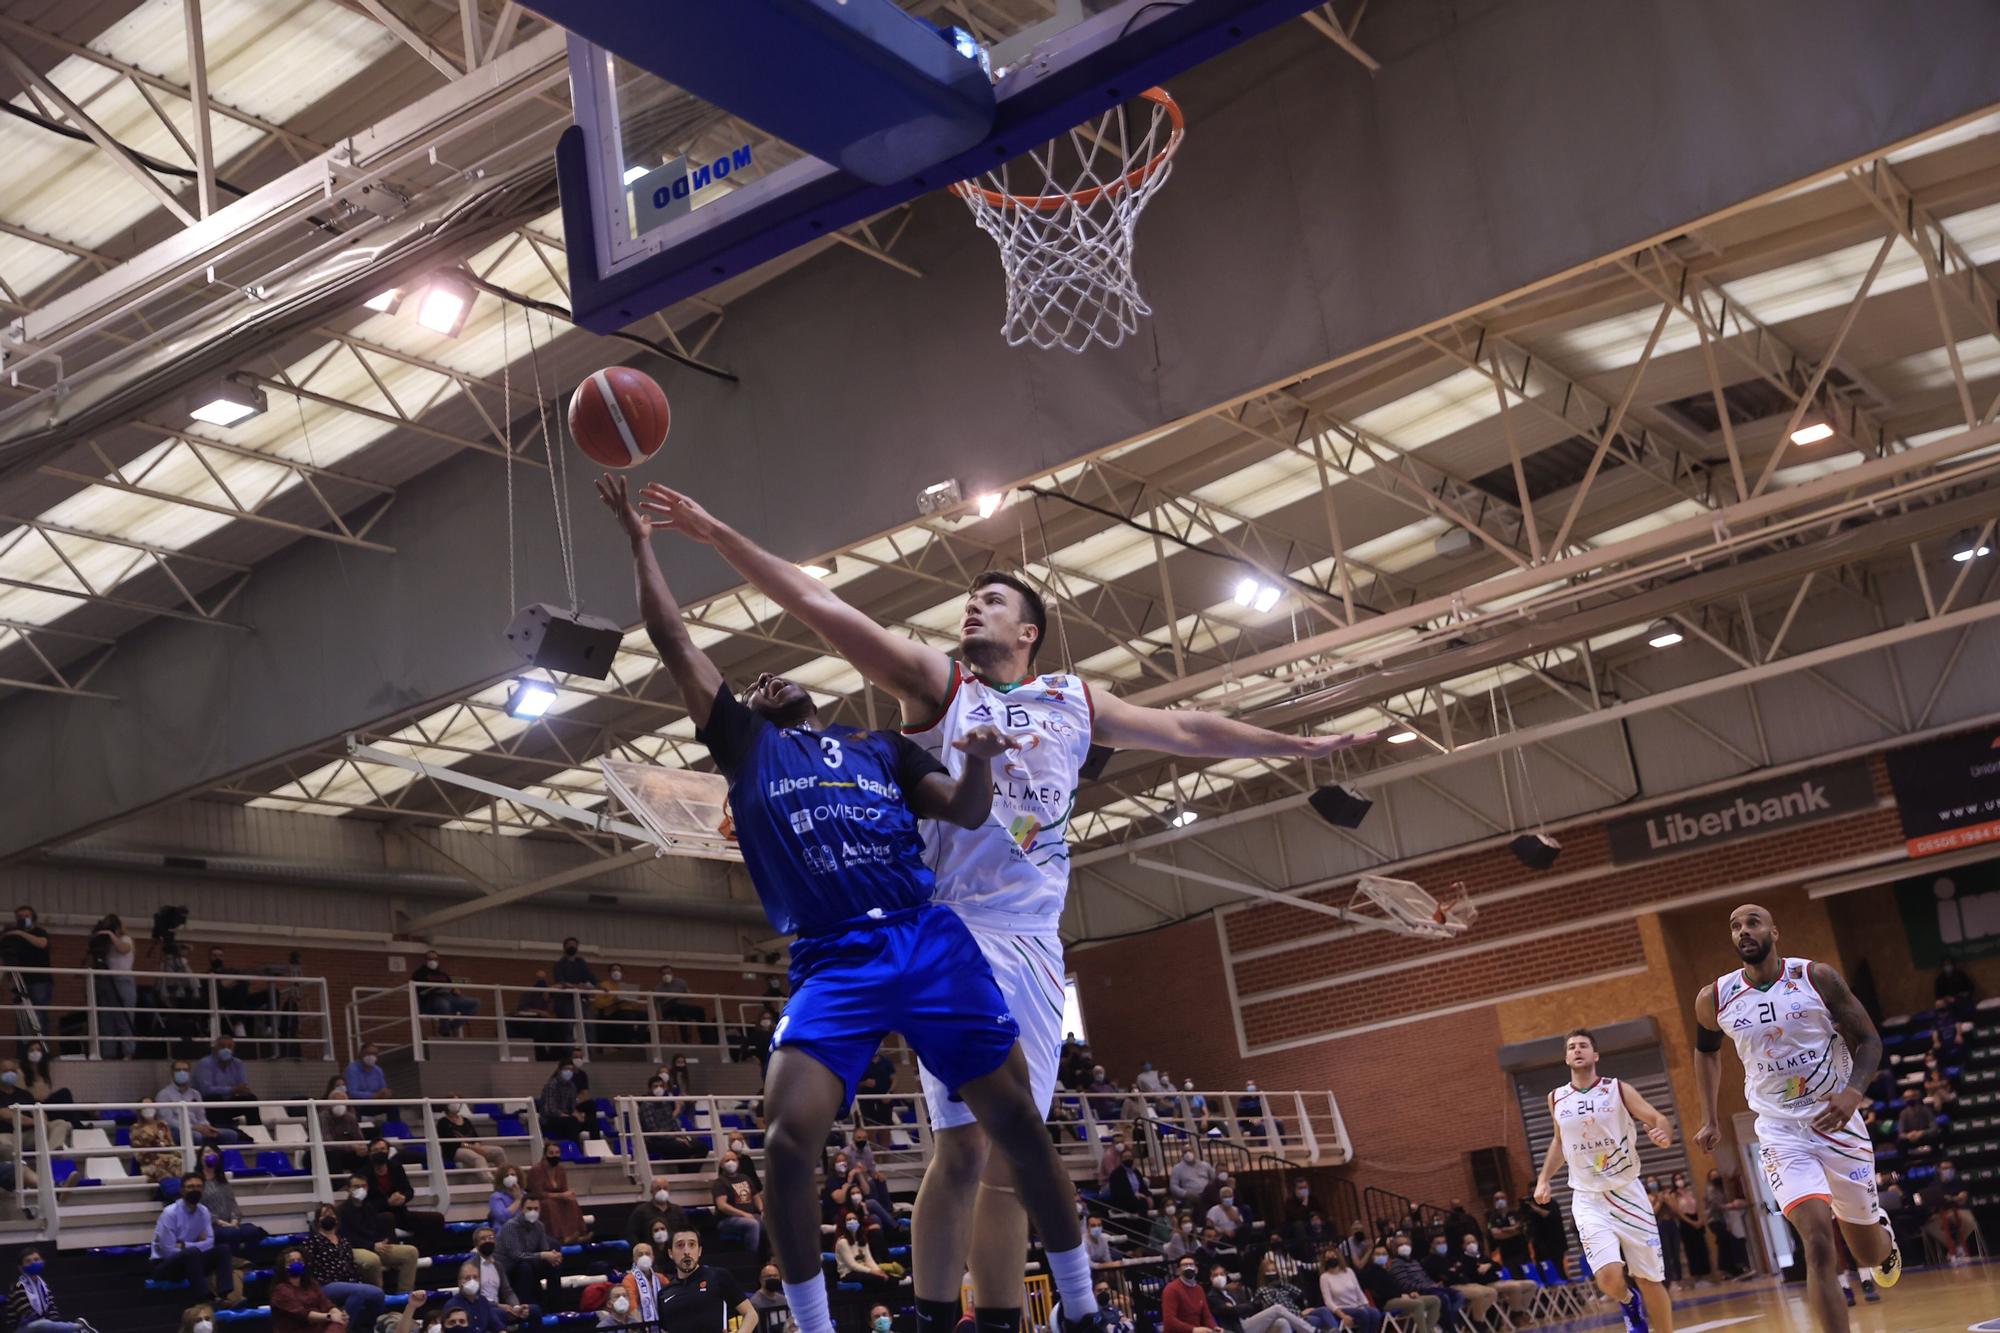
{"x":1845,"y":1285}
{"x":1071,"y":1270}
{"x":808,"y":1302}
{"x":1867,"y":1275}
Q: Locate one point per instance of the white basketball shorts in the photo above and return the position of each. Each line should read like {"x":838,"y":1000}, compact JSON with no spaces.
{"x":1029,"y":969}
{"x":1618,"y":1227}
{"x":1800,"y":1163}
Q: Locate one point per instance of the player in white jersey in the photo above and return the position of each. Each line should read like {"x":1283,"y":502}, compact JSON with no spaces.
{"x":1007,"y":879}
{"x":1596,"y":1124}
{"x":1809,"y":1051}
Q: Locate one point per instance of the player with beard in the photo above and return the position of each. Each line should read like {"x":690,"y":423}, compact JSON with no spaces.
{"x":1007,"y":878}
{"x":827,"y":820}
{"x":1808,"y":1051}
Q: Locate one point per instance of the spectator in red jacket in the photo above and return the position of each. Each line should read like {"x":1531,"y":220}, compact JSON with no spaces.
{"x":1183,"y":1302}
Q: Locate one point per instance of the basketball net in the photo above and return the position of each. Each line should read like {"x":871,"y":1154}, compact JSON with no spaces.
{"x":1064,"y":216}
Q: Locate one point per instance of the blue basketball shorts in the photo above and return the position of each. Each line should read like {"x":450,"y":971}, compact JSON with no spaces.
{"x":920,"y":975}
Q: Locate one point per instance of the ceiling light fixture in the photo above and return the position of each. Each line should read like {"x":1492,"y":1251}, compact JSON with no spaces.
{"x":1662,"y":634}
{"x":940,"y":496}
{"x":529,"y":699}
{"x":224,"y":401}
{"x":1400,"y":737}
{"x":1812,"y":433}
{"x":1259,"y":597}
{"x":1183,"y":818}
{"x":443,"y":304}
{"x":1970,"y":548}
{"x":989,"y":504}
{"x":813,"y":569}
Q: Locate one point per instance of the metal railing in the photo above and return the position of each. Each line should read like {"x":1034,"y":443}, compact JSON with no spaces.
{"x":1226,"y":1128}
{"x":426,"y":1017}
{"x":167,"y":1014}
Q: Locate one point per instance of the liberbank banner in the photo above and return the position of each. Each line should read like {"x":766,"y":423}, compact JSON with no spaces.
{"x":1762,"y":807}
{"x":1948,"y":791}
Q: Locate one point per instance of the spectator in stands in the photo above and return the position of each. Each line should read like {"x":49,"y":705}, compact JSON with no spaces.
{"x":656,"y":1219}
{"x":1457,"y":1221}
{"x":372,"y":1231}
{"x":1225,"y":1216}
{"x":1104,"y":1102}
{"x":1230,"y":1310}
{"x":558,"y":1106}
{"x":149,"y":1131}
{"x":1484,"y":1267}
{"x":301,"y":1305}
{"x":876,"y":1082}
{"x":31,"y":1306}
{"x":220,"y":1076}
{"x":774,"y":1311}
{"x":484,"y":1313}
{"x":688,"y":1015}
{"x":1686,"y":1211}
{"x":1449,"y":1270}
{"x":184,"y":1244}
{"x":1506,"y":1231}
{"x":504,"y":1204}
{"x":1341,"y":1295}
{"x":680,"y":1076}
{"x":853,"y":1261}
{"x":1725,"y":1223}
{"x":458,"y":1136}
{"x":38,"y":1074}
{"x":390,"y":1191}
{"x":437,"y":996}
{"x":1947,"y":1205}
{"x":230,"y":1228}
{"x":1107,"y":1161}
{"x":1546,"y":1234}
{"x":533,"y":1019}
{"x":866,"y":1190}
{"x":1190,"y":1178}
{"x":618,"y":1311}
{"x":198,"y":1319}
{"x":1298,"y":1207}
{"x":1955,"y":988}
{"x":572,"y":973}
{"x":14,"y":1094}
{"x":1357,"y":1248}
{"x":1215,"y":1252}
{"x":1272,"y":1292}
{"x":232,"y":998}
{"x":1183,"y":1304}
{"x":620,"y":1015}
{"x":364,"y":1077}
{"x":1890,"y":1188}
{"x":1938,"y":1089}
{"x":659,"y":1121}
{"x":548,"y":1182}
{"x":1916,"y":1124}
{"x":291,"y":997}
{"x":644,"y":1284}
{"x":755,"y":1043}
{"x":531,"y":1256}
{"x":1183,"y":1243}
{"x":180,"y":1090}
{"x":740,"y":1204}
{"x":1948,"y":1045}
{"x":1097,"y":1245}
{"x":1127,"y":1189}
{"x":1395,"y":1293}
{"x":332,"y":1262}
{"x":109,"y":954}
{"x":25,"y":945}
{"x":342,"y":1131}
{"x":1405,"y":1268}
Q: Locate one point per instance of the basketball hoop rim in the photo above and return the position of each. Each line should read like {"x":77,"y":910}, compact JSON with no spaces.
{"x":1048,"y":203}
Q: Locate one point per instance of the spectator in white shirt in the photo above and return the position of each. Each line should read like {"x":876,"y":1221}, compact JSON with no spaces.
{"x":1190,"y":1178}
{"x":1225,"y":1216}
{"x":180,"y":1089}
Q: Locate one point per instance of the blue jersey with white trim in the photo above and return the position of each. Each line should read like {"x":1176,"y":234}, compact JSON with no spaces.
{"x":823,"y":818}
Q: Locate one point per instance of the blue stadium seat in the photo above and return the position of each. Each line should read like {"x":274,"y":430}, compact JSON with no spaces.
{"x":395,"y":1129}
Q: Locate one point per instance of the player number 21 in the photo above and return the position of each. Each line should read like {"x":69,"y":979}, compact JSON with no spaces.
{"x":830,"y":750}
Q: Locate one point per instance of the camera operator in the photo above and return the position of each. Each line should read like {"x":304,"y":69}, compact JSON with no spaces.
{"x":110,"y":954}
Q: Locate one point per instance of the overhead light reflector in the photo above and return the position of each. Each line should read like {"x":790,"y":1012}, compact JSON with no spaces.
{"x":224,"y":402}
{"x":444,"y":303}
{"x":989,"y":504}
{"x":815,"y":570}
{"x":1401,"y":737}
{"x":1970,"y":546}
{"x":529,"y":699}
{"x":1183,"y":818}
{"x":1812,"y":433}
{"x":1662,"y":634}
{"x":939,"y":496}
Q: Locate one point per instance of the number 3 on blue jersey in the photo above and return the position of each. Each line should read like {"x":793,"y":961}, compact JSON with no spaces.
{"x":830,"y":750}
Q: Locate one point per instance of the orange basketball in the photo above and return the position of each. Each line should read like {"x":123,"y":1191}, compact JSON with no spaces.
{"x":619,"y":416}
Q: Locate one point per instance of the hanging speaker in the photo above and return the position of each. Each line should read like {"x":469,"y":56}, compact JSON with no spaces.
{"x":567,"y":641}
{"x":1537,"y":851}
{"x":1340,"y":805}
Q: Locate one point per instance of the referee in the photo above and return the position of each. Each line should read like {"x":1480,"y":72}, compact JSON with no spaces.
{"x":700,"y":1299}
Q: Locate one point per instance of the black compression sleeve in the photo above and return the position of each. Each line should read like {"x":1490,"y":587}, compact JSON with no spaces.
{"x":1707,"y":1039}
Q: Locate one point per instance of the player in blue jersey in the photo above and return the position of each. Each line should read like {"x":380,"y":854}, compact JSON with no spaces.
{"x":827,"y":819}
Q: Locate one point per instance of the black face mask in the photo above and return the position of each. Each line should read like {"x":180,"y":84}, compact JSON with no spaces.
{"x":378,"y":1157}
{"x":569,"y":950}
{"x":327,"y":1224}
{"x":773,"y":1285}
{"x":485,"y":1247}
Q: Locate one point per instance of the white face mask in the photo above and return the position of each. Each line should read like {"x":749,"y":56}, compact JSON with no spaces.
{"x":1402,"y":1251}
{"x":660,"y":1197}
{"x":532,"y":1214}
{"x":357,"y":1192}
{"x":204,"y":1326}
{"x":617,"y":974}
{"x":621,"y":1305}
{"x":510,"y":1182}
{"x":1219,"y":1281}
{"x":729,"y":1168}
{"x":368,"y":1061}
{"x":458,"y":1108}
{"x":470,"y":1286}
{"x":644,"y":1263}
{"x":148,"y":1113}
{"x":660,"y":1236}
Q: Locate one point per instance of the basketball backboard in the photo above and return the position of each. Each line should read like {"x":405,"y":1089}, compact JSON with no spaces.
{"x":712,"y":138}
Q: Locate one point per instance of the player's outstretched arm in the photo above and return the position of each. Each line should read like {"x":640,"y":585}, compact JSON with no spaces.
{"x":1658,"y":1128}
{"x":1864,"y":1043}
{"x":694,"y":675}
{"x":1707,"y":1067}
{"x":967,"y":800}
{"x":1197,"y":735}
{"x":917,"y":675}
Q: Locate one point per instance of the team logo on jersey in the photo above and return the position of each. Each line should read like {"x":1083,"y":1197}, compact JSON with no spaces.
{"x":1023,"y":830}
{"x":802,"y":821}
{"x":1740,"y":1022}
{"x":1053,"y":696}
{"x":1795,"y":1088}
{"x":981,"y":713}
{"x":821,"y":861}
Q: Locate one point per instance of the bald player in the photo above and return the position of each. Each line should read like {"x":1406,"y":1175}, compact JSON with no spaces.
{"x":1808,"y":1051}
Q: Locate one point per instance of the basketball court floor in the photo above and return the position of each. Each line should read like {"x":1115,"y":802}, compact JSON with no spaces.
{"x":1942,"y":1300}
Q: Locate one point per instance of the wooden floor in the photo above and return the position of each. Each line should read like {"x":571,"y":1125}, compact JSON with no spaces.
{"x":1942,"y":1301}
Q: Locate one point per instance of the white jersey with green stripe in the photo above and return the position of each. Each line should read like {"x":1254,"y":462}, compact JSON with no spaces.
{"x":1015,"y":866}
{"x":1600,"y":1142}
{"x":1793,"y":1055}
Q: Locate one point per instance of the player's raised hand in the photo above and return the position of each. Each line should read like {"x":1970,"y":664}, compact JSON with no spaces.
{"x":679,"y":513}
{"x":1839,"y":1109}
{"x":1661,"y":1134}
{"x":611,"y":490}
{"x":986,"y":742}
{"x":1543,"y":1193}
{"x":1707,"y":1136}
{"x":1318,"y":747}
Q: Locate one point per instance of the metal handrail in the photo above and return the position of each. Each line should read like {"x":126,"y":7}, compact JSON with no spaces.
{"x":203,"y":986}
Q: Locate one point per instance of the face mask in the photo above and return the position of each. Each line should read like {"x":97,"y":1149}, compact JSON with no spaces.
{"x":1382,"y":1260}
{"x":1472,"y":1251}
{"x":328,"y":1223}
{"x":1219,"y":1281}
{"x":192,"y":1198}
{"x":1302,"y":1193}
{"x":1402,"y":1251}
{"x":1440,"y":1248}
{"x":486,"y":1247}
{"x":881,"y":1323}
{"x":617,"y":974}
{"x":470,"y":1287}
{"x":660,"y":1197}
{"x":10,"y":1078}
{"x":180,"y":1078}
{"x":1500,"y":1205}
{"x":773,"y":1285}
{"x":729,"y":1168}
{"x":1097,"y":1231}
{"x":569,"y":950}
{"x":339,"y":1090}
{"x":27,"y":921}
{"x":225,"y":1055}
{"x":657,"y":1090}
{"x":37,"y":1057}
{"x":357,"y":1192}
{"x":457,"y":1108}
{"x":1947,"y":1175}
{"x":620,"y":1305}
{"x":510,"y":1182}
{"x":566,"y":1075}
{"x":368,"y":1062}
{"x":532,"y":1214}
{"x":204,"y":1326}
{"x":1187,"y":1228}
{"x":660,"y":1236}
{"x":1227,"y":1197}
{"x":295,"y":1268}
{"x":33,"y":1268}
{"x":853,"y":1225}
{"x":1188,"y":1276}
{"x":740,"y":1146}
{"x":644,"y":1263}
{"x":1188,"y":1157}
{"x":379,"y":1158}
